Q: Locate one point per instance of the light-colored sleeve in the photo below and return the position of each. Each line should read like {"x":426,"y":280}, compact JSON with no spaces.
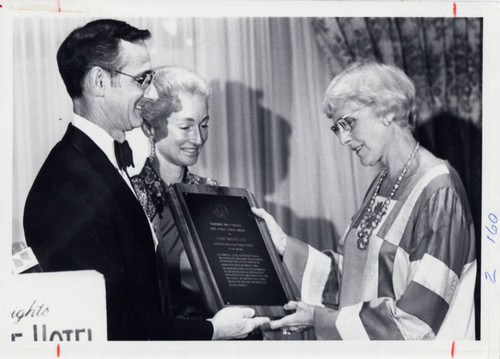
{"x":441,"y":266}
{"x":313,"y":272}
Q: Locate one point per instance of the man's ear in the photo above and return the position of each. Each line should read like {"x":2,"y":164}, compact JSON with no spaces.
{"x":96,"y":81}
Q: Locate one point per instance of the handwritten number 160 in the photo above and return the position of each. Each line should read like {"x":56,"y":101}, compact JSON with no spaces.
{"x":492,"y":229}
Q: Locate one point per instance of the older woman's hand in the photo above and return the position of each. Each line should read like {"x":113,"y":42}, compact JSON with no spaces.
{"x":303,"y":317}
{"x":277,"y":235}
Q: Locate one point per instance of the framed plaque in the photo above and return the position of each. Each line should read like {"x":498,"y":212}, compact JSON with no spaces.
{"x":230,"y":249}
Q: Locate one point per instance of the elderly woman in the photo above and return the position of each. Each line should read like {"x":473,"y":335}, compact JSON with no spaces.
{"x":405,"y":267}
{"x":177,"y":127}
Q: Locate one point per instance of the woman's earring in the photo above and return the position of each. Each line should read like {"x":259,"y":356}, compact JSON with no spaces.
{"x":386,"y":121}
{"x":151,"y":147}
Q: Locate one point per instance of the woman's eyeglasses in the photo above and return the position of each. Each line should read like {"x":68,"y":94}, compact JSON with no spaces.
{"x":143,"y":80}
{"x":342,"y":124}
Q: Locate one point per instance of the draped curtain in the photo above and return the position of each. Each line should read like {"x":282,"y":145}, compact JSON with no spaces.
{"x":267,"y":132}
{"x":443,"y":57}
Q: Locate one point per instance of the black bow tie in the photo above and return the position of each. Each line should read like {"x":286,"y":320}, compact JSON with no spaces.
{"x":123,"y":154}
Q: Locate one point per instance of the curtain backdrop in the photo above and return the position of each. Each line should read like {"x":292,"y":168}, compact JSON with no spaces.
{"x":266,"y":133}
{"x":443,"y":57}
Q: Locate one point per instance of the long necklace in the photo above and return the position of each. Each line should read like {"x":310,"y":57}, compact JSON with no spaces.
{"x":373,"y":215}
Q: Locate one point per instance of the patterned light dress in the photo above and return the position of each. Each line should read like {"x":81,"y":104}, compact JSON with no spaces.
{"x":416,"y":279}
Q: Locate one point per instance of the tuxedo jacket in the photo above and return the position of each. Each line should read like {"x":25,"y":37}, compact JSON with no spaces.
{"x":80,"y":214}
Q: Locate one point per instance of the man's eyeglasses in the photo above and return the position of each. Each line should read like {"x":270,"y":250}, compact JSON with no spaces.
{"x":143,"y":80}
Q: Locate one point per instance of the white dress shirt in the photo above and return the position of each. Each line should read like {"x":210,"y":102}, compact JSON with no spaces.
{"x":106,"y":143}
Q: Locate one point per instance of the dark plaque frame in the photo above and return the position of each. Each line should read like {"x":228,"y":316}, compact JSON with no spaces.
{"x":200,"y":253}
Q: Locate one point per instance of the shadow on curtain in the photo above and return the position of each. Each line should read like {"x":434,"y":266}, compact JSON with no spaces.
{"x":443,"y":57}
{"x":269,"y":159}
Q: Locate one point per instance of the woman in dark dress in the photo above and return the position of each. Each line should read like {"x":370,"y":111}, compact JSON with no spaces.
{"x":177,"y":127}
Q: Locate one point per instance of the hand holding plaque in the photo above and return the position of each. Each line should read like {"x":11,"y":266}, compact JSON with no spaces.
{"x":277,"y":235}
{"x":235,"y":323}
{"x":230,"y":249}
{"x":301,"y":318}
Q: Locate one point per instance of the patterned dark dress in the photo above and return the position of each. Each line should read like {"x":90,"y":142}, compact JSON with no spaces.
{"x":181,"y":295}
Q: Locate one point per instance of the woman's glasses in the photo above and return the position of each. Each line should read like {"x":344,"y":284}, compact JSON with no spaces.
{"x":342,"y":125}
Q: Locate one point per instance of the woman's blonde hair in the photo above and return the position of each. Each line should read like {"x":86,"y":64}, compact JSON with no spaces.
{"x":385,"y":87}
{"x":169,"y":82}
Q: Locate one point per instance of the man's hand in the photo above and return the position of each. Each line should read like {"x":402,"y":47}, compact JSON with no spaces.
{"x":298,"y":321}
{"x":277,"y":235}
{"x":235,"y":323}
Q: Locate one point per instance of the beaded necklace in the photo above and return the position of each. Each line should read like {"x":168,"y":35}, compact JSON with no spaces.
{"x":373,"y":216}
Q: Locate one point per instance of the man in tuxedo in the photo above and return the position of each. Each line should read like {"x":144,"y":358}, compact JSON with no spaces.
{"x":82,"y":213}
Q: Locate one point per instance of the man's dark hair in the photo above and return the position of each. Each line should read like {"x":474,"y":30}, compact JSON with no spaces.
{"x":95,"y":44}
